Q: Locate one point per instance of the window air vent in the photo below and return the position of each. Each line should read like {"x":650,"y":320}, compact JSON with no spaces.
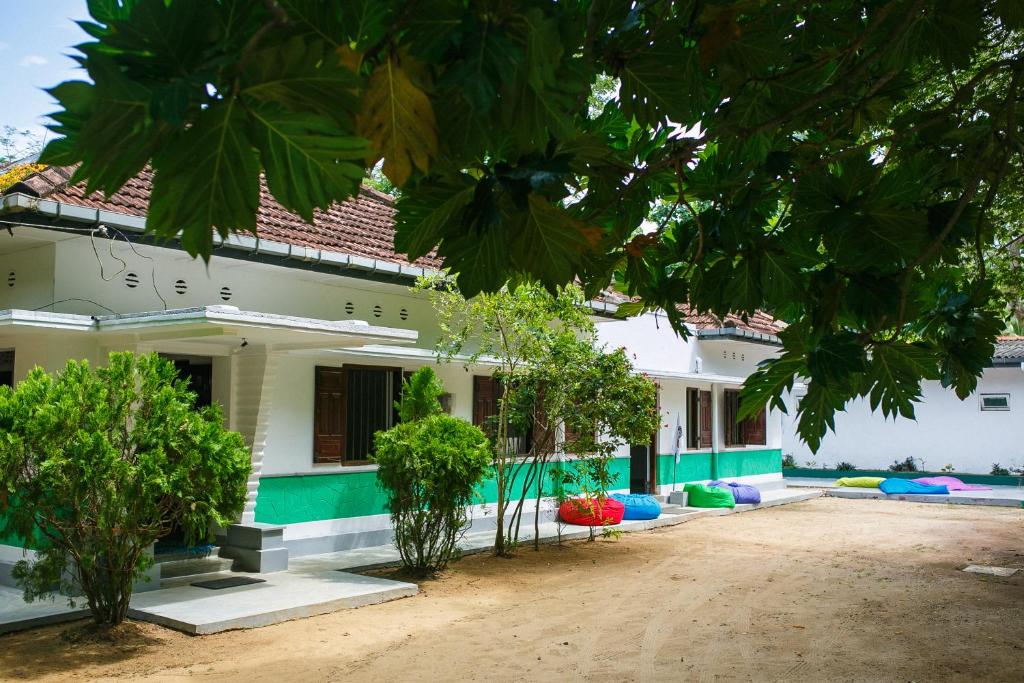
{"x":180,"y":286}
{"x":995,"y":401}
{"x":403,"y":314}
{"x":11,"y":277}
{"x":225,"y":293}
{"x":350,"y":308}
{"x":131,"y":280}
{"x":377,"y":311}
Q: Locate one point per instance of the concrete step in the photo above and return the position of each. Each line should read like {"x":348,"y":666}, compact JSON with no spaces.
{"x":211,"y":564}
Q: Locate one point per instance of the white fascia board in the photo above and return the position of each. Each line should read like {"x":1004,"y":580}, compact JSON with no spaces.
{"x":45,"y":319}
{"x":228,"y":315}
{"x":693,"y":376}
{"x":413,"y":353}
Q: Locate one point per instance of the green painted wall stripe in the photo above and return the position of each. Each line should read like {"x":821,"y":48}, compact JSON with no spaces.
{"x":312,"y":498}
{"x":703,"y":466}
{"x":962,"y":476}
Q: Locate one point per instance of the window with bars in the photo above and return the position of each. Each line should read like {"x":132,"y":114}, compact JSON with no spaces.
{"x":352,"y":403}
{"x":7,"y":367}
{"x":487,"y":392}
{"x":749,"y":432}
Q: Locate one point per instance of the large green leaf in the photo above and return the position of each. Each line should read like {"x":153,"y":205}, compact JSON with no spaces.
{"x":424,"y":215}
{"x":549,"y":241}
{"x":308,"y":164}
{"x":896,"y":370}
{"x":302,"y":75}
{"x":652,"y":94}
{"x":207,"y":179}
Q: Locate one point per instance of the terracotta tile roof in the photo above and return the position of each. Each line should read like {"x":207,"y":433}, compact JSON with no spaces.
{"x":1009,"y":349}
{"x":362,"y":226}
{"x":760,"y":321}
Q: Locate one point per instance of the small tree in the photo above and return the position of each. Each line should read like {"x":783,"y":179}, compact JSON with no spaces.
{"x":421,"y":396}
{"x":429,"y":469}
{"x":96,"y":464}
{"x":552,"y":373}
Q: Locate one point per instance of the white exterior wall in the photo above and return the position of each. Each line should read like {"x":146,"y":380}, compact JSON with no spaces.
{"x":947,"y":431}
{"x":654,"y":347}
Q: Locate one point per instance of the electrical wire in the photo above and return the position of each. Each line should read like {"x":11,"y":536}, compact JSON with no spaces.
{"x":87,"y":301}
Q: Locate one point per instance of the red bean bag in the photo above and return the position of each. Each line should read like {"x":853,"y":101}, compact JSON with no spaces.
{"x":585,"y":512}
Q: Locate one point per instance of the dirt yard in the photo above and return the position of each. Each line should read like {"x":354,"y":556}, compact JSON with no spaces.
{"x":839,"y":590}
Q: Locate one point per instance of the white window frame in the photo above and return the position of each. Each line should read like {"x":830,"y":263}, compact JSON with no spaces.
{"x":986,"y":408}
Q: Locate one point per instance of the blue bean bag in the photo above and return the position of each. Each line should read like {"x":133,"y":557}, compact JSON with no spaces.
{"x":638,"y":505}
{"x":895,"y":485}
{"x":743,"y":494}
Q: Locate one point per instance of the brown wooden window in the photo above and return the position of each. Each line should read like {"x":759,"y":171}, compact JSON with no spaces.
{"x":487,"y":392}
{"x":705,"y":419}
{"x":693,"y":418}
{"x":352,"y":403}
{"x":752,"y":431}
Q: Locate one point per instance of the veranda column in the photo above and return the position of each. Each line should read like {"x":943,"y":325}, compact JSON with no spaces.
{"x":716,"y":427}
{"x":254,"y":372}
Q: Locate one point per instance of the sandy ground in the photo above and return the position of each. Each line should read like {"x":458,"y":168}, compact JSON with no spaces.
{"x":829,"y":589}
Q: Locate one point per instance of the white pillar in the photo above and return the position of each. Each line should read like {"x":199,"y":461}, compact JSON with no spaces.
{"x":254,"y":371}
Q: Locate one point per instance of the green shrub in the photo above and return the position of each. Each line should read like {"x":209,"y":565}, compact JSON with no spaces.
{"x":788,"y":461}
{"x":999,"y":471}
{"x":421,"y":396}
{"x":100,"y":463}
{"x":429,"y":470}
{"x":844,"y":466}
{"x":908,"y":465}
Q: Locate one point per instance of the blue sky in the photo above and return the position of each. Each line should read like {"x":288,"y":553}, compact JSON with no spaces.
{"x":35,"y":38}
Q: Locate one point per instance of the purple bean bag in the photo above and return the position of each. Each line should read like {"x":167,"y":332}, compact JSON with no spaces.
{"x":951,"y":483}
{"x":741,"y":493}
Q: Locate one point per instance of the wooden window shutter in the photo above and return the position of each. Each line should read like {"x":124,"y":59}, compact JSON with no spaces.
{"x":705,"y":419}
{"x":329,"y":416}
{"x":692,"y":418}
{"x":485,"y":399}
{"x":755,"y":429}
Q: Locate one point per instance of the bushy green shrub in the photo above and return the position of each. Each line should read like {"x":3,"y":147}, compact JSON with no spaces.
{"x":421,"y":396}
{"x":429,"y":470}
{"x":907,"y":465}
{"x":788,"y":461}
{"x":844,"y":466}
{"x":999,"y":471}
{"x":98,"y":463}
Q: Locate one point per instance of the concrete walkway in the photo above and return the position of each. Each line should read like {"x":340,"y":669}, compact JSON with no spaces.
{"x":480,"y":541}
{"x":318,"y":584}
{"x":998,"y":496}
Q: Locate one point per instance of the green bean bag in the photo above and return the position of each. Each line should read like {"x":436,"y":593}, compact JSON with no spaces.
{"x":701,"y":496}
{"x":860,"y":482}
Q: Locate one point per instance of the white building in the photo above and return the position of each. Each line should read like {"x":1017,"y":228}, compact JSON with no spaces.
{"x":302,"y":336}
{"x":972,"y":435}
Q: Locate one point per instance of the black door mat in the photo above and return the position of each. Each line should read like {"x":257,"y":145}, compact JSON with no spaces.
{"x":229,"y":582}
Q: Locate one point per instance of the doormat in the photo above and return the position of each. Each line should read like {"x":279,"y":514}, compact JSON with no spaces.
{"x":229,"y":582}
{"x":991,"y":571}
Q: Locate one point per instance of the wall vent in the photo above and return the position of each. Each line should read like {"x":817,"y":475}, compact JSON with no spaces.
{"x":403,"y":314}
{"x":131,"y":280}
{"x":180,"y":286}
{"x":11,"y":278}
{"x":377,"y":311}
{"x":225,"y":293}
{"x":350,"y":308}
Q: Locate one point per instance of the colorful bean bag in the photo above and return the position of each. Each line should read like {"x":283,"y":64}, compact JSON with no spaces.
{"x":638,"y":505}
{"x":895,"y":485}
{"x":743,"y":494}
{"x":701,"y":496}
{"x":860,"y":482}
{"x":951,"y":483}
{"x":586,"y":512}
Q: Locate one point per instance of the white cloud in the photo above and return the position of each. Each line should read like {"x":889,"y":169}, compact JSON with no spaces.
{"x":33,"y":60}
